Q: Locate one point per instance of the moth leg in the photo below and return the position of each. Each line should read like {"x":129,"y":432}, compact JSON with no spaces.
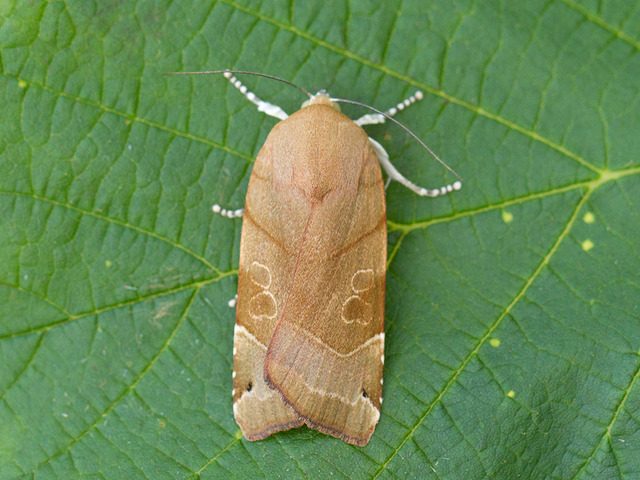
{"x":266,"y":107}
{"x":393,"y":174}
{"x":232,"y":303}
{"x":227,"y":213}
{"x":373,"y":118}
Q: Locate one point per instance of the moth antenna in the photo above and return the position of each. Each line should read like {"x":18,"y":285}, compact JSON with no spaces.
{"x":353,"y":102}
{"x":244,"y":72}
{"x":369,"y":119}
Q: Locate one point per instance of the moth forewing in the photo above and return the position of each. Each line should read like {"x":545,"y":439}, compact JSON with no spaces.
{"x":265,"y":271}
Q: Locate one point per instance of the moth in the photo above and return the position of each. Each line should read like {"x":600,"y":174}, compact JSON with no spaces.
{"x":309,"y":334}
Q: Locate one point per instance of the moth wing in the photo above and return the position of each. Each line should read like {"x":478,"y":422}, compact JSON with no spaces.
{"x":265,"y":271}
{"x":326,"y":354}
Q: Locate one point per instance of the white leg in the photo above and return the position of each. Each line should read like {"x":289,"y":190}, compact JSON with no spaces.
{"x":373,"y":118}
{"x":383,"y":158}
{"x":232,"y":303}
{"x":227,"y":213}
{"x":266,"y":107}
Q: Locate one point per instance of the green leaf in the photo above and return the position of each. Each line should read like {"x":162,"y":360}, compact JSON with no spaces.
{"x":513,"y":318}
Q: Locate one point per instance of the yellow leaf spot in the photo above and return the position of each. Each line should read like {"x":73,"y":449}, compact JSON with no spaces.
{"x":22,"y":83}
{"x":494,"y":342}
{"x":238,"y":434}
{"x":511,"y":394}
{"x":589,"y":217}
{"x":108,"y":263}
{"x":587,"y":245}
{"x":507,"y":217}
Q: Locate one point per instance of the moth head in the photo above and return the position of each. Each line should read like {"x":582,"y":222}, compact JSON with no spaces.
{"x":321,"y":98}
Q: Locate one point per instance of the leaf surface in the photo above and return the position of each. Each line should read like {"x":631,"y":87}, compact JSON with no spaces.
{"x":513,"y":318}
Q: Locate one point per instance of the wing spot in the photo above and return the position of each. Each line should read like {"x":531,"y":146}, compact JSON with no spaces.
{"x":362,"y":280}
{"x":355,"y":309}
{"x":263,"y":305}
{"x":260,"y":275}
{"x":249,"y":387}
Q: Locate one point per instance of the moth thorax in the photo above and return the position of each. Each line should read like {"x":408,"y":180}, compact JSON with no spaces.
{"x":321,"y":98}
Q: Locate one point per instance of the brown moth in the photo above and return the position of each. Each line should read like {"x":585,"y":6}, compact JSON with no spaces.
{"x":309,"y":339}
{"x":309,"y":334}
